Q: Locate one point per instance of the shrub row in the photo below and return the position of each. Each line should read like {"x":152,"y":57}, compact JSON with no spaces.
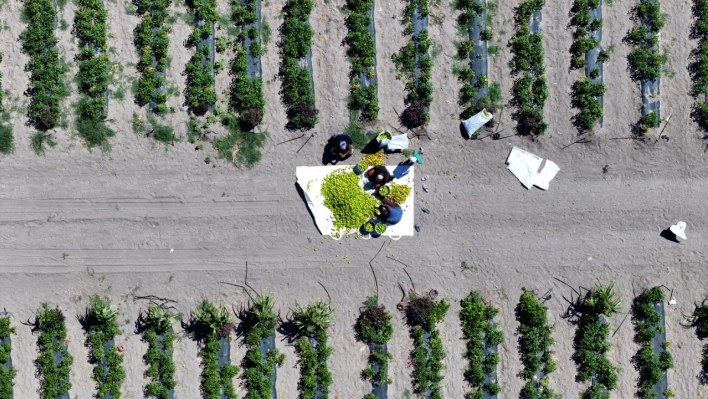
{"x":151,"y":41}
{"x":93,"y":77}
{"x":699,"y":320}
{"x":7,"y":140}
{"x":535,"y":346}
{"x":591,"y":340}
{"x":296,"y":39}
{"x":422,"y":314}
{"x":479,"y":333}
{"x":46,"y":86}
{"x":157,"y":324}
{"x":585,"y":92}
{"x":374,"y":328}
{"x":413,"y":62}
{"x":644,"y":62}
{"x":647,"y":325}
{"x":7,"y":375}
{"x":54,"y":361}
{"x":530,"y":91}
{"x":312,"y":322}
{"x":108,"y":372}
{"x":700,"y":64}
{"x":199,"y":93}
{"x":362,"y":54}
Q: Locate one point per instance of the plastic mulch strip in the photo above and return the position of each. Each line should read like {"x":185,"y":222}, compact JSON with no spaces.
{"x":479,"y":65}
{"x":602,"y":320}
{"x":364,"y":78}
{"x":161,"y":338}
{"x":106,"y":348}
{"x":650,"y":88}
{"x":420,"y":24}
{"x":591,"y":56}
{"x":535,"y":27}
{"x":7,"y":340}
{"x":266,"y":346}
{"x":58,"y":357}
{"x":161,"y":89}
{"x":491,"y":376}
{"x":313,"y":343}
{"x":224,"y":353}
{"x":306,"y":63}
{"x":380,"y":391}
{"x":254,"y":63}
{"x":426,"y":340}
{"x":209,"y":41}
{"x":657,"y":343}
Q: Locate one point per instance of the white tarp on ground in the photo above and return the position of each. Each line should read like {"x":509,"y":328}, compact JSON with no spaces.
{"x":524,"y":165}
{"x":310,"y":178}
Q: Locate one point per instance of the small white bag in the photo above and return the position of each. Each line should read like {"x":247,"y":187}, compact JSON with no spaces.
{"x":473,"y":124}
{"x":399,"y":142}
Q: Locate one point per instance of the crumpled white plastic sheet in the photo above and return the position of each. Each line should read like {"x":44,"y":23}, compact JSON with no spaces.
{"x":524,"y":165}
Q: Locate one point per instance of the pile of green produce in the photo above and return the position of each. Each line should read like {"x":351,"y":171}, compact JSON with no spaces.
{"x":374,"y":328}
{"x":375,"y":159}
{"x":648,"y":323}
{"x":93,"y":77}
{"x":399,"y":193}
{"x":699,"y":66}
{"x":151,"y":41}
{"x":312,"y":322}
{"x":380,"y":228}
{"x":415,"y":64}
{"x":349,"y":203}
{"x":362,"y":55}
{"x":200,"y":94}
{"x":108,"y":372}
{"x":479,"y":333}
{"x":54,"y":361}
{"x":216,"y":322}
{"x":298,"y":95}
{"x":530,"y":91}
{"x":535,"y":346}
{"x":160,"y":339}
{"x":46,"y":87}
{"x":6,"y":375}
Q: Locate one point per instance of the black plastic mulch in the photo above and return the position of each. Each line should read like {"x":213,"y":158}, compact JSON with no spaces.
{"x":479,"y":65}
{"x":58,"y":358}
{"x":161,"y":338}
{"x":254,"y":63}
{"x":224,"y":355}
{"x":266,"y":346}
{"x":591,"y":56}
{"x":380,"y":391}
{"x":657,"y":344}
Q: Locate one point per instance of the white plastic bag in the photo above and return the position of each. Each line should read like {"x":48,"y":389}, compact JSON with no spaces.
{"x":473,"y":124}
{"x":383,"y":142}
{"x":399,"y":142}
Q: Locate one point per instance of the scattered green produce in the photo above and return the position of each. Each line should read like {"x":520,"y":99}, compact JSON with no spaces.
{"x":246,"y":92}
{"x":108,"y":372}
{"x":384,"y":136}
{"x":374,"y":328}
{"x":349,"y":203}
{"x":362,"y":54}
{"x":158,"y":334}
{"x":312,"y":322}
{"x":151,"y":39}
{"x":535,"y":346}
{"x":399,"y":193}
{"x":217,"y":323}
{"x":699,"y":66}
{"x":479,"y":333}
{"x":54,"y":361}
{"x":647,"y":325}
{"x":362,"y":166}
{"x":7,"y":375}
{"x":380,"y":228}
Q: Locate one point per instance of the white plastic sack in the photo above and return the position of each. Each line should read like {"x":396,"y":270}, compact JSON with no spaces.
{"x":473,"y":124}
{"x":399,"y":142}
{"x":383,"y":142}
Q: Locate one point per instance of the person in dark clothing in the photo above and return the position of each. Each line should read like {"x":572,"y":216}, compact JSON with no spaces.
{"x":340,"y":146}
{"x":391,"y":212}
{"x":378,"y":176}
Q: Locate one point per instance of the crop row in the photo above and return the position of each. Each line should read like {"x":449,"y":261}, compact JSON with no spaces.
{"x":93,"y":77}
{"x":530,"y":90}
{"x":648,"y":325}
{"x":375,"y":329}
{"x":298,"y":90}
{"x":415,"y":64}
{"x":312,"y":322}
{"x":699,"y":66}
{"x":362,"y":53}
{"x":151,"y":39}
{"x":7,"y":372}
{"x":199,"y":94}
{"x":102,"y":328}
{"x":7,"y":140}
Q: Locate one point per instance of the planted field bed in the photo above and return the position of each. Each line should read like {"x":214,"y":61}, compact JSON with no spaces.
{"x":200,"y":95}
{"x":415,"y":64}
{"x":262,"y":358}
{"x":312,"y":322}
{"x":530,"y":90}
{"x":535,"y":346}
{"x":93,"y":77}
{"x":591,"y":341}
{"x":481,"y":340}
{"x":476,"y":93}
{"x":151,"y":39}
{"x":645,"y":61}
{"x":653,"y":359}
{"x":422,"y":315}
{"x":374,"y":328}
{"x":46,"y":88}
{"x":298,"y":92}
{"x":699,"y":320}
{"x":102,"y":328}
{"x":7,"y":372}
{"x":699,"y":66}
{"x":54,"y":361}
{"x":7,"y":140}
{"x":156,"y":325}
{"x":361,"y":42}
{"x":588,"y":92}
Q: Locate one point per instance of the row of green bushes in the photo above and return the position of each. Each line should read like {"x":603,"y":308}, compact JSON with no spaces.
{"x":479,"y":334}
{"x":648,"y":323}
{"x":102,"y":328}
{"x":374,"y":328}
{"x":199,"y":93}
{"x":529,"y":91}
{"x":312,"y":322}
{"x":415,"y":64}
{"x":535,"y":347}
{"x":7,"y":140}
{"x":46,"y":88}
{"x":645,"y":63}
{"x":157,"y":333}
{"x":362,"y":54}
{"x":93,"y":77}
{"x":699,"y":67}
{"x":152,"y":47}
{"x":296,"y":39}
{"x":699,"y":320}
{"x":7,"y":375}
{"x":54,"y":361}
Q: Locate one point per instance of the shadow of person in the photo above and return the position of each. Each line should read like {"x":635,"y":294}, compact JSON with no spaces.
{"x":667,"y":234}
{"x":463,"y":131}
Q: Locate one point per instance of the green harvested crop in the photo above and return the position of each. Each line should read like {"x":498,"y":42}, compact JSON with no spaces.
{"x":385,"y":136}
{"x":362,"y":166}
{"x":399,"y":193}
{"x":369,"y":226}
{"x":349,"y":203}
{"x":384,"y":191}
{"x":380,"y":228}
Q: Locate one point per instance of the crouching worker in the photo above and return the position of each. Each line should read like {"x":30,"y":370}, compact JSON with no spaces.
{"x":340,"y":146}
{"x":378,"y":176}
{"x":391,"y":212}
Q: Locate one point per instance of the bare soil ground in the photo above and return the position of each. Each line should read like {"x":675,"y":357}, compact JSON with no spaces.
{"x":75,"y":223}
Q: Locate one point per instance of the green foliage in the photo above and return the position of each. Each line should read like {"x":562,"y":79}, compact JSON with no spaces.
{"x":422,"y":314}
{"x":699,"y":66}
{"x":38,"y":141}
{"x":355,"y":130}
{"x":479,"y":333}
{"x":108,"y":372}
{"x":534,"y":345}
{"x":200,"y":94}
{"x":312,"y":322}
{"x":158,"y":358}
{"x":7,"y":140}
{"x":349,"y":203}
{"x":374,"y":328}
{"x":239,"y":147}
{"x":216,"y":319}
{"x":647,"y":324}
{"x":362,"y":55}
{"x":645,"y":63}
{"x":7,"y":375}
{"x":312,"y":318}
{"x":54,"y":361}
{"x":649,"y":121}
{"x":214,"y":378}
{"x":151,"y":40}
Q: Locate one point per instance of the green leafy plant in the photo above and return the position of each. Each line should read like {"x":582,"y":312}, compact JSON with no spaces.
{"x":239,"y":147}
{"x":200,"y":95}
{"x":648,"y":323}
{"x":362,"y":54}
{"x":54,"y":361}
{"x":7,"y":140}
{"x":151,"y":40}
{"x":312,"y":322}
{"x":160,"y":338}
{"x":102,"y":328}
{"x":349,"y":203}
{"x":699,"y":66}
{"x":217,"y":323}
{"x":7,"y":374}
{"x":479,"y":333}
{"x":215,"y":319}
{"x":374,"y":328}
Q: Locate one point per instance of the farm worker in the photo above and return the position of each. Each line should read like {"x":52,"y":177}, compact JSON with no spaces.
{"x":391,"y":212}
{"x":378,"y":176}
{"x":341,"y":145}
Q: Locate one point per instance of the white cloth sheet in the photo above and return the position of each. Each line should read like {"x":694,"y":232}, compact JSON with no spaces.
{"x":524,"y":165}
{"x":310,"y":179}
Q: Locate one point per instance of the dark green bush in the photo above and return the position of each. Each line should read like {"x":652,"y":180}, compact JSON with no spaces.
{"x":7,"y":376}
{"x":422,"y":314}
{"x":53,"y":374}
{"x":647,"y":322}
